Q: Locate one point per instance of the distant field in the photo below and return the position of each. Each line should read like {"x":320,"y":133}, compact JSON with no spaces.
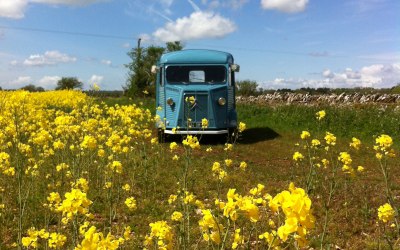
{"x":113,"y":179}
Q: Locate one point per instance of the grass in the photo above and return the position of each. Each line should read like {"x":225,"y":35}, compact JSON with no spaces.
{"x":362,"y":121}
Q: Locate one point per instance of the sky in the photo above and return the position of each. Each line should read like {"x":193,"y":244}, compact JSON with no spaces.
{"x":278,"y":43}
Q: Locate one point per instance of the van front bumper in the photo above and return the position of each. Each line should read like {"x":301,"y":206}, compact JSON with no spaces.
{"x":195,"y":132}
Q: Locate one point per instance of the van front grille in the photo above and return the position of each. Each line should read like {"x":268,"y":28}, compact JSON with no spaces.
{"x":195,"y":111}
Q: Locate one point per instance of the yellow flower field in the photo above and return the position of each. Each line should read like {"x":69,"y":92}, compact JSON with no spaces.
{"x":76,"y":174}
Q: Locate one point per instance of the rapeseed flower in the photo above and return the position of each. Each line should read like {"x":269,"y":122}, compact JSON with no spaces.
{"x":355,"y":143}
{"x":345,"y":158}
{"x":56,"y":240}
{"x":162,"y":233}
{"x":241,"y":127}
{"x":192,"y":142}
{"x":330,"y":139}
{"x":177,"y":216}
{"x":384,"y":142}
{"x":204,"y":123}
{"x":304,"y":135}
{"x":126,"y":187}
{"x":190,"y":99}
{"x":130,"y":203}
{"x":297,"y":156}
{"x":243,"y":165}
{"x":320,"y":115}
{"x":386,"y":213}
{"x":173,"y":146}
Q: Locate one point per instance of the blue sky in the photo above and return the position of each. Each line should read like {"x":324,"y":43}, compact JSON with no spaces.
{"x":278,"y":43}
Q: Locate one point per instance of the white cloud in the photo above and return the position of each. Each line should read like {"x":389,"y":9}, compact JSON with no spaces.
{"x":95,"y":79}
{"x":19,"y":82}
{"x":288,"y":6}
{"x":16,"y":8}
{"x":199,"y":25}
{"x":234,"y":4}
{"x":13,"y":8}
{"x":376,"y":76}
{"x":126,"y":45}
{"x":106,"y":62}
{"x":53,"y":57}
{"x":68,"y":2}
{"x":49,"y":82}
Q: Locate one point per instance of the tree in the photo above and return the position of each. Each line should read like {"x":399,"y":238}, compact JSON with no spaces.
{"x":32,"y":88}
{"x":247,"y":88}
{"x":140,"y":77}
{"x":174,"y":46}
{"x":69,"y":83}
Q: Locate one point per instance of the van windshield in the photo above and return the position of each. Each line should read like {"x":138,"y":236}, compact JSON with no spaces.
{"x":209,"y":74}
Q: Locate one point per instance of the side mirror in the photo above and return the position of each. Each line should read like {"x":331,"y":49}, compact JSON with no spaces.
{"x":154,"y":69}
{"x":235,"y":67}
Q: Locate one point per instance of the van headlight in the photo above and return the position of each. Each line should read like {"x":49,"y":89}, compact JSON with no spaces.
{"x":170,"y":102}
{"x":221,"y":101}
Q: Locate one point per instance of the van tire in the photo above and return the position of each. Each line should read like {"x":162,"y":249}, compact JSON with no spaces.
{"x":161,"y":136}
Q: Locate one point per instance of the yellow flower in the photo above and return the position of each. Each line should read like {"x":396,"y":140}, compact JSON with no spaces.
{"x":173,"y":146}
{"x":355,"y":143}
{"x":386,"y":213}
{"x":241,"y":127}
{"x":191,"y":141}
{"x":126,"y":187}
{"x":209,"y":149}
{"x":89,"y":142}
{"x":75,"y":202}
{"x":325,"y":163}
{"x":228,"y":162}
{"x":107,"y":185}
{"x":345,"y":158}
{"x":330,"y":139}
{"x":190,"y":99}
{"x":228,"y":146}
{"x":315,"y":142}
{"x":161,"y":233}
{"x":204,"y":123}
{"x":172,"y":198}
{"x":360,"y":169}
{"x":304,"y":135}
{"x":384,"y":142}
{"x":243,"y":165}
{"x":177,"y":216}
{"x":297,"y":156}
{"x":56,"y":240}
{"x":130,"y":203}
{"x":175,"y":158}
{"x":320,"y":115}
{"x":116,"y":166}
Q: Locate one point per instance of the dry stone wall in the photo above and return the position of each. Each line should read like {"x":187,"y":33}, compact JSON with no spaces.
{"x":328,"y":99}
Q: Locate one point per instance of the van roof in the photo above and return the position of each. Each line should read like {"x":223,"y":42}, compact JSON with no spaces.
{"x":196,"y":56}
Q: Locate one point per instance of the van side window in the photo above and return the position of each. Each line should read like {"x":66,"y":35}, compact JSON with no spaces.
{"x":161,"y":76}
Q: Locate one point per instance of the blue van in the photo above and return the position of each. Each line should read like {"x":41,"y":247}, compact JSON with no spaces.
{"x":193,"y":85}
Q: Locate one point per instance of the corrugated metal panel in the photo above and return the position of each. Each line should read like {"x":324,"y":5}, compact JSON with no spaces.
{"x":198,"y":110}
{"x":231,"y":99}
{"x":172,"y":112}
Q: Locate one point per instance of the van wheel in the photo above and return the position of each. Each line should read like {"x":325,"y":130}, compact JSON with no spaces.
{"x":231,"y":134}
{"x":161,"y":136}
